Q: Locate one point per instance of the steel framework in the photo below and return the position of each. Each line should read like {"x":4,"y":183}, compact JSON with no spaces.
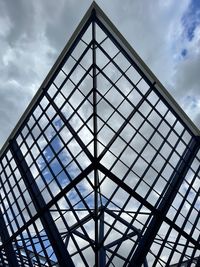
{"x":103,"y":167}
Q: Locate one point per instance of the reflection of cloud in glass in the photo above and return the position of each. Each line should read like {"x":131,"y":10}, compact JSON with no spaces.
{"x":144,"y":147}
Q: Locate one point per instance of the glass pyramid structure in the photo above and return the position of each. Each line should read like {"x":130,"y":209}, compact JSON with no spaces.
{"x":103,"y":168}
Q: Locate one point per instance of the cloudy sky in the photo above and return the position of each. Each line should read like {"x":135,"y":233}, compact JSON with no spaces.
{"x":33,"y":33}
{"x":166,"y":34}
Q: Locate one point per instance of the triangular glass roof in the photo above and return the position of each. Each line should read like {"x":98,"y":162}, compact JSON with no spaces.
{"x":103,"y":168}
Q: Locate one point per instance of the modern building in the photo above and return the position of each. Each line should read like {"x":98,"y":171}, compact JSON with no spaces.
{"x":103,"y":168}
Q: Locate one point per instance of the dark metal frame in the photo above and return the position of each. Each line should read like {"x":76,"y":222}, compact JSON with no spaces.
{"x":55,"y":207}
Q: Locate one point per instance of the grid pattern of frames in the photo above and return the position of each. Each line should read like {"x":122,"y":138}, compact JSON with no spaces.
{"x":102,"y":171}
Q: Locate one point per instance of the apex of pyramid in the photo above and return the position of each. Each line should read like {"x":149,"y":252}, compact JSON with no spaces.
{"x":113,"y":33}
{"x":97,"y":160}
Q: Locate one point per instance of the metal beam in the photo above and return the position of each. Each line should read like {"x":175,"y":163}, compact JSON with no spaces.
{"x":53,"y":234}
{"x":156,"y":222}
{"x":67,"y":50}
{"x":52,"y":202}
{"x":109,"y":28}
{"x":95,"y":15}
{"x":96,"y":179}
{"x":187,"y":262}
{"x":102,"y":251}
{"x":144,"y":202}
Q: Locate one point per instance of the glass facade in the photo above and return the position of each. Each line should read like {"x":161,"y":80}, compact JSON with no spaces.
{"x":104,"y":168}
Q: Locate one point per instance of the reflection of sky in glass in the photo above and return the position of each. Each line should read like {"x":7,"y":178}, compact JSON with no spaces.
{"x":140,"y":142}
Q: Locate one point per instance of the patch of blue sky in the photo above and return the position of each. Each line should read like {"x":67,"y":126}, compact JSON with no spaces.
{"x":41,"y":162}
{"x":184,"y":52}
{"x":48,"y":248}
{"x":191,"y":102}
{"x":56,"y":144}
{"x":48,"y":154}
{"x":80,"y":205}
{"x":73,"y":197}
{"x":84,"y":188}
{"x":28,"y":247}
{"x":56,"y":168}
{"x":87,"y":193}
{"x":47,"y":175}
{"x":191,"y":19}
{"x":47,"y":245}
{"x":64,"y":156}
{"x":90,"y":200}
{"x":58,"y":123}
{"x":73,"y":170}
{"x":63,"y":179}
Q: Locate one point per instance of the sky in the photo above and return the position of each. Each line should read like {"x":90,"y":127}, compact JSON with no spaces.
{"x":165,"y":34}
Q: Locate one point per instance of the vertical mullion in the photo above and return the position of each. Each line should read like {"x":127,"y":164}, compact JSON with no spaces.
{"x":96,"y":180}
{"x":102,"y":251}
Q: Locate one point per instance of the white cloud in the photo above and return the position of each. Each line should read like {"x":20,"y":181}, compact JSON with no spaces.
{"x":33,"y":34}
{"x":31,"y":43}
